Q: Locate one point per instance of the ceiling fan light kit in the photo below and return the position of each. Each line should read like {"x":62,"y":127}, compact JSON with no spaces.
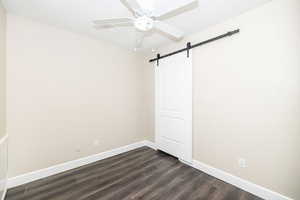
{"x":144,"y":23}
{"x":146,"y":20}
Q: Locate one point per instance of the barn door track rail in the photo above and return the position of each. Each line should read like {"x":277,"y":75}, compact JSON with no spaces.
{"x":189,"y":46}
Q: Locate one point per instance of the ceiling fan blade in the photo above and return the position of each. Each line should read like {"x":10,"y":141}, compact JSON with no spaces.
{"x":107,"y":26}
{"x":192,"y":4}
{"x":112,"y":21}
{"x":133,"y":6}
{"x":170,"y":31}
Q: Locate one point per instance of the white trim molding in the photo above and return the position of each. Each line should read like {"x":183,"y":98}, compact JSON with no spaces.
{"x":43,"y":173}
{"x":239,"y":182}
{"x":3,"y":139}
{"x":149,"y":144}
{"x":5,"y":190}
{"x":233,"y":180}
{"x":219,"y":174}
{"x":3,"y":182}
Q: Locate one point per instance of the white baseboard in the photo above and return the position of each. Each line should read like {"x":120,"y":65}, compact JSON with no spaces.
{"x":150,"y":144}
{"x":220,"y":174}
{"x":252,"y":188}
{"x":239,"y":182}
{"x":3,"y":182}
{"x":43,"y":173}
{"x":4,"y":193}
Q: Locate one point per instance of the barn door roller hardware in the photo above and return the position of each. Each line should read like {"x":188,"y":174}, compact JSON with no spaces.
{"x":189,"y":46}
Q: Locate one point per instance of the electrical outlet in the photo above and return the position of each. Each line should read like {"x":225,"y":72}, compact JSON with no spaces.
{"x":242,"y":163}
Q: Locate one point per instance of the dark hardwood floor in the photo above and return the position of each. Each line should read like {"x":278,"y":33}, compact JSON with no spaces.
{"x":139,"y":174}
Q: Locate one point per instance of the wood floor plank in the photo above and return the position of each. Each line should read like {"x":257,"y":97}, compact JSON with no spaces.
{"x":88,"y":181}
{"x":141,"y":174}
{"x":108,"y":180}
{"x":172,"y":189}
{"x":102,"y":192}
{"x":193,"y":185}
{"x":106,"y":163}
{"x":164,"y":180}
{"x":147,"y":177}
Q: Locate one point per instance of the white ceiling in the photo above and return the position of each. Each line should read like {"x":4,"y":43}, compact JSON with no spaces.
{"x":77,"y":15}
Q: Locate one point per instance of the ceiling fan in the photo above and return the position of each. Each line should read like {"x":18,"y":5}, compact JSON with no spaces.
{"x":146,"y":20}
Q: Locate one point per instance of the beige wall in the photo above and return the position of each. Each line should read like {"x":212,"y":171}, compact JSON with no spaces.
{"x":247,"y":96}
{"x":3,"y":154}
{"x":2,"y":69}
{"x":65,"y":92}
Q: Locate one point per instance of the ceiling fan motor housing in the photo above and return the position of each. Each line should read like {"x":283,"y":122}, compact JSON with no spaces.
{"x":144,"y":23}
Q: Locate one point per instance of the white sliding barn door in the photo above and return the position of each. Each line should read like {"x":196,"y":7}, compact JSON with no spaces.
{"x":173,"y":109}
